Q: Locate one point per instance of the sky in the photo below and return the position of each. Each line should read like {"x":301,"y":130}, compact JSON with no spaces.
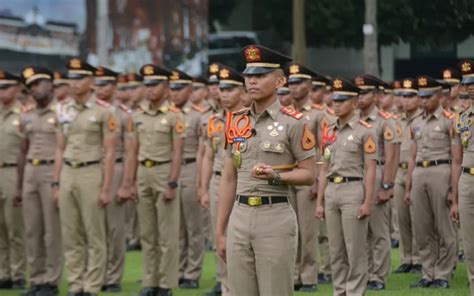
{"x":55,"y":10}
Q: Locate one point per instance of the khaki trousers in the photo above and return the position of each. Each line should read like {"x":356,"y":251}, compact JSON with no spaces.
{"x":394,"y":227}
{"x":323,"y":249}
{"x":191,"y":226}
{"x":159,"y":228}
{"x":221,"y":275}
{"x":261,"y":249}
{"x":42,"y":227}
{"x":83,"y":228}
{"x":433,"y":226}
{"x":131,"y":221}
{"x":115,"y":222}
{"x":347,"y":238}
{"x":408,"y":247}
{"x":306,"y":268}
{"x":12,"y":252}
{"x":466,"y":215}
{"x":378,"y":239}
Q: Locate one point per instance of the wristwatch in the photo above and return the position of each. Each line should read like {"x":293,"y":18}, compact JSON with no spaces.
{"x":276,"y":180}
{"x":172,"y":184}
{"x":387,"y":186}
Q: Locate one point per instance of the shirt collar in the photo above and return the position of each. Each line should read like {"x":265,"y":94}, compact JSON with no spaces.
{"x":372,"y":115}
{"x":271,"y":110}
{"x":351,"y":123}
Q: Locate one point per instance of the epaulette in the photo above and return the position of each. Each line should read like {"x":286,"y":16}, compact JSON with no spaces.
{"x":365,"y":123}
{"x":307,"y":107}
{"x":385,"y":115}
{"x":318,"y":106}
{"x":292,"y":113}
{"x":448,"y":114}
{"x":125,"y":108}
{"x":173,"y":109}
{"x":199,"y":109}
{"x":102,"y":103}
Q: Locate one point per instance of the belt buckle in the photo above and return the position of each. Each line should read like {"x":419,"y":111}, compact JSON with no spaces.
{"x":471,"y":171}
{"x":36,"y":162}
{"x":404,"y":166}
{"x":75,"y":164}
{"x":425,"y":163}
{"x":255,"y":201}
{"x":338,"y":180}
{"x":149,"y":163}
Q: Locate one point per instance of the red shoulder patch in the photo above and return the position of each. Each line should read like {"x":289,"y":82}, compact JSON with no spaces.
{"x":292,"y":113}
{"x":396,"y":116}
{"x":448,"y":114}
{"x":385,"y":115}
{"x":125,"y":108}
{"x":102,"y":103}
{"x":365,"y":123}
{"x":318,"y":106}
{"x":199,"y":108}
{"x":173,"y":109}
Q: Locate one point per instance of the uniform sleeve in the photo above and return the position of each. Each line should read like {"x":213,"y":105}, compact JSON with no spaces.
{"x":178,"y":125}
{"x":390,"y":132}
{"x":128,"y":126}
{"x":369,"y":142}
{"x":302,"y":140}
{"x":453,"y":133}
{"x":110,"y":122}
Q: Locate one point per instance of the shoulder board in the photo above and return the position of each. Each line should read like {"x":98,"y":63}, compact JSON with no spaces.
{"x":173,"y":109}
{"x":318,"y":106}
{"x":385,"y":115}
{"x":102,"y":103}
{"x":125,"y":108}
{"x":292,"y":113}
{"x":364,"y":123}
{"x":241,"y":111}
{"x":448,"y":114}
{"x":199,"y":108}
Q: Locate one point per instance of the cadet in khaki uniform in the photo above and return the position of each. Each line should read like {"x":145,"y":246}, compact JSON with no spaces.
{"x":161,"y":131}
{"x":191,"y":224}
{"x":12,"y":255}
{"x":61,"y":86}
{"x":453,"y":78}
{"x":123,"y":179}
{"x":254,"y":206}
{"x":378,"y":239}
{"x":232,"y":90}
{"x":306,"y":269}
{"x":409,"y":255}
{"x":431,"y":183}
{"x":284,"y":96}
{"x":86,"y":145}
{"x":40,"y":214}
{"x":346,"y":187}
{"x":462,"y":206}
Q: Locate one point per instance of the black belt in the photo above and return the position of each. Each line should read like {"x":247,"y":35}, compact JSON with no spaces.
{"x":38,"y":162}
{"x":218,"y":173}
{"x":255,"y":201}
{"x":77,"y":165}
{"x":428,"y":163}
{"x":7,"y":165}
{"x":380,"y":162}
{"x":119,"y":160}
{"x":403,"y":165}
{"x":189,"y":160}
{"x":469,"y":171}
{"x":340,"y":179}
{"x":151,"y":163}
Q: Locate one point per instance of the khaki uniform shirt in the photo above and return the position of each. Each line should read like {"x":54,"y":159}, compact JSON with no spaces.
{"x":10,"y":134}
{"x":156,"y":130}
{"x":405,"y":125}
{"x":352,"y":144}
{"x":384,"y":127}
{"x":192,"y":117}
{"x":432,"y":135}
{"x":40,"y":126}
{"x":124,"y":115}
{"x":85,"y":131}
{"x":216,"y":138}
{"x":210,"y":110}
{"x":464,"y":136}
{"x":273,"y":137}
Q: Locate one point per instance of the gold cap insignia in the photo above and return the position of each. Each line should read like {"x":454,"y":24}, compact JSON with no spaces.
{"x":446,"y":74}
{"x":174,"y":76}
{"x":28,"y":72}
{"x":337,"y":84}
{"x":294,"y":69}
{"x":252,"y":54}
{"x":466,"y":67}
{"x":99,"y":72}
{"x":422,"y":81}
{"x":214,"y":68}
{"x":148,"y":70}
{"x":75,"y":63}
{"x":407,"y":84}
{"x":224,"y":74}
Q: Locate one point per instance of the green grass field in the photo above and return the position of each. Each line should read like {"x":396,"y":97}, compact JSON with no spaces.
{"x":397,"y":284}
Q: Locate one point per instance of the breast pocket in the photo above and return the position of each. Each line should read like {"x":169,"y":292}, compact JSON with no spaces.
{"x":272,"y":147}
{"x":348,"y":153}
{"x":438,"y":139}
{"x":161,"y":134}
{"x":92,"y":131}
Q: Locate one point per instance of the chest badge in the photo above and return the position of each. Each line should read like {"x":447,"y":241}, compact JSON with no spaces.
{"x":275,"y":128}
